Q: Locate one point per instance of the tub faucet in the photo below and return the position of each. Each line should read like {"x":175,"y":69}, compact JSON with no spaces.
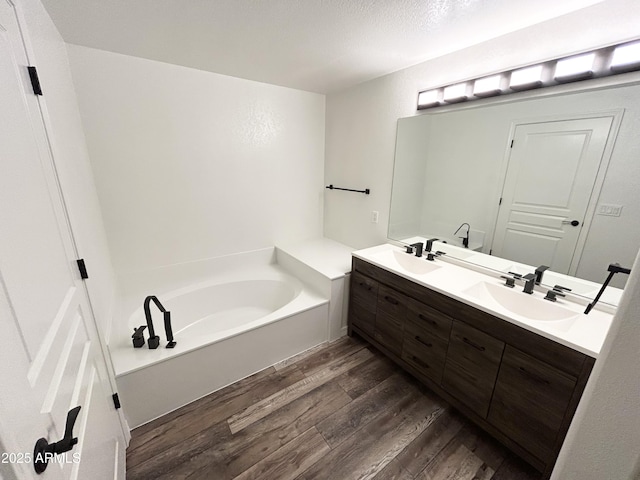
{"x":154,"y":340}
{"x":613,"y":269}
{"x":465,"y":239}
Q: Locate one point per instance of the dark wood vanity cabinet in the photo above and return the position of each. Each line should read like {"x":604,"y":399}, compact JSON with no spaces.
{"x":363,"y":303}
{"x":473,"y":360}
{"x":530,"y":401}
{"x":426,"y":339}
{"x":520,"y":387}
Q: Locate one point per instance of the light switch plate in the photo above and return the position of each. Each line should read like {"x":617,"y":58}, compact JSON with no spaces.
{"x":609,"y":209}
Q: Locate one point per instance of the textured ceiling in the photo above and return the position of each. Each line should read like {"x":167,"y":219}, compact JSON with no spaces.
{"x":315,"y":45}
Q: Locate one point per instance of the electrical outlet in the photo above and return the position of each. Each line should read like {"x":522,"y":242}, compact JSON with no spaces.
{"x":374,"y":216}
{"x":609,"y":209}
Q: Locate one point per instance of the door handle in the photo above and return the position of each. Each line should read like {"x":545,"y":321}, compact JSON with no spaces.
{"x":44,"y":451}
{"x":573,"y":223}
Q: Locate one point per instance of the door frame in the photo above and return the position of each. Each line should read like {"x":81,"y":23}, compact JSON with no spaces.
{"x":47,"y":125}
{"x":590,"y":213}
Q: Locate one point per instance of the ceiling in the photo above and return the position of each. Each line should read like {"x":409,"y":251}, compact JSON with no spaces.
{"x":315,"y":45}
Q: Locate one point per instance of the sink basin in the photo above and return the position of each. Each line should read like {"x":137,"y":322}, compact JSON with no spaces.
{"x":406,"y":262}
{"x":520,"y":304}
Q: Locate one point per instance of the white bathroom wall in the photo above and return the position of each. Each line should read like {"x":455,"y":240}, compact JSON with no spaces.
{"x":192,"y":165}
{"x":361,"y":121}
{"x":62,"y":119}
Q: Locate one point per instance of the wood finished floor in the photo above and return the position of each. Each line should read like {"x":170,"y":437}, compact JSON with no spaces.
{"x":341,"y":411}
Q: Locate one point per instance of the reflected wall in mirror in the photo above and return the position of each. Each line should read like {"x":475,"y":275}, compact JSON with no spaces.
{"x":548,"y":178}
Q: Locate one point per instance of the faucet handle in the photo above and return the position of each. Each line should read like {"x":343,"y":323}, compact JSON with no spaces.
{"x":138,"y":336}
{"x":552,"y":294}
{"x":560,"y":288}
{"x":510,"y":281}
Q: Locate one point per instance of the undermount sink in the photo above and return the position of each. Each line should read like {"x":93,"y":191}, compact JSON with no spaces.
{"x":404,"y":261}
{"x":521,"y":304}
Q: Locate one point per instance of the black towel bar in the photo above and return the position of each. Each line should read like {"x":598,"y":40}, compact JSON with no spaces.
{"x":366,"y":191}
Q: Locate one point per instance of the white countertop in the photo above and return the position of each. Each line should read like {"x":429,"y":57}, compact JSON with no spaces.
{"x":574,"y":329}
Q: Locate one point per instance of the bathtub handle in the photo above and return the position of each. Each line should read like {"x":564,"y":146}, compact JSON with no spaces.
{"x":138,"y":336}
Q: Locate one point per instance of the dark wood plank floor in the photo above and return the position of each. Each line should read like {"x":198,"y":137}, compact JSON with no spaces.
{"x":341,"y":411}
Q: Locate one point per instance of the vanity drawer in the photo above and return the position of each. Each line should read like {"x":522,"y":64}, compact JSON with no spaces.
{"x":424,"y":351}
{"x":364,"y":291}
{"x":430,"y":319}
{"x":473,"y":360}
{"x":391,"y":302}
{"x":530,"y":402}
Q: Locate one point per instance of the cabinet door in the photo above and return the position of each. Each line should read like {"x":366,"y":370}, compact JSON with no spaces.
{"x":473,"y":359}
{"x":363,"y":302}
{"x":530,"y":401}
{"x":390,"y":319}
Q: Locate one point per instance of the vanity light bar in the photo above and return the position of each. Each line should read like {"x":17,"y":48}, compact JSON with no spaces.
{"x":626,"y":57}
{"x":526,"y":78}
{"x":575,"y":68}
{"x":487,"y":86}
{"x":455,"y":93}
{"x":603,"y":62}
{"x":429,"y":98}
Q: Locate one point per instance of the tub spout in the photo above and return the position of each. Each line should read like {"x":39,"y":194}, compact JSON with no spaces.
{"x":154,"y":340}
{"x":168,"y":331}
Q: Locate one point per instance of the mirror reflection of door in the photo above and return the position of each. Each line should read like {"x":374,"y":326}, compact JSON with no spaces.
{"x":548,"y":185}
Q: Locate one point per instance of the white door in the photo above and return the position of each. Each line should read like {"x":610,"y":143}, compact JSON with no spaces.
{"x":50,"y":357}
{"x":549,"y":181}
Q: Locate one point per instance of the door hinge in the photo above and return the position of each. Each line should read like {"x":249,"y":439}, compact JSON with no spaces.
{"x":511,"y":143}
{"x":83,"y":269}
{"x":500,"y":201}
{"x":35,"y":81}
{"x":490,"y":252}
{"x":116,"y":401}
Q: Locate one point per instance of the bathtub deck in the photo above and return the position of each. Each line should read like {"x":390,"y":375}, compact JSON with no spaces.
{"x":341,"y":411}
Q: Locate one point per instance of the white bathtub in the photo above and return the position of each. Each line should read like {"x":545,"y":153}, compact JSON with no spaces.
{"x":229,"y":321}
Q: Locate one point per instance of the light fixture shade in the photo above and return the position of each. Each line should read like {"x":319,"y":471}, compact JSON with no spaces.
{"x":602,"y":62}
{"x":526,"y":78}
{"x":455,"y":93}
{"x":626,"y":57}
{"x":487,"y":86}
{"x":575,"y":68}
{"x":429,"y":98}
